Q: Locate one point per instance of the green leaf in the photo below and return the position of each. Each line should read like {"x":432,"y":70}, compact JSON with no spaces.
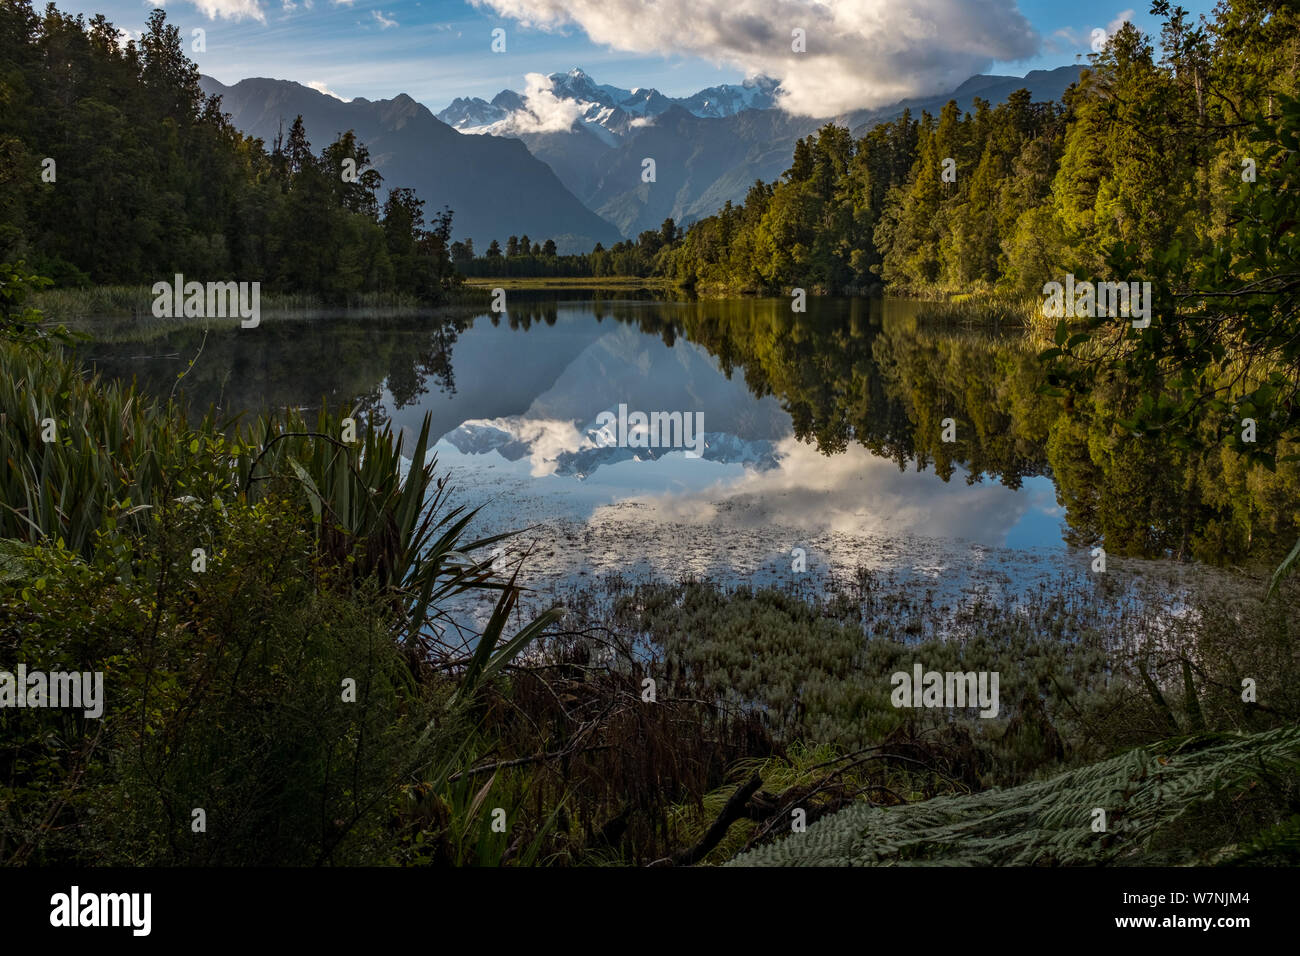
{"x":312,"y":494}
{"x":1285,"y":568}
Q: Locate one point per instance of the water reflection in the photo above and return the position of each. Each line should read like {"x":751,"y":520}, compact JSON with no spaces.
{"x":791,"y":458}
{"x":823,"y":430}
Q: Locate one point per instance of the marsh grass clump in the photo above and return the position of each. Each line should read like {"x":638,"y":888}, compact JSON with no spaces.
{"x":981,"y":309}
{"x":815,"y":674}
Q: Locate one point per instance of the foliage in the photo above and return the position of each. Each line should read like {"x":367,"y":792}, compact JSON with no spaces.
{"x":1179,"y":802}
{"x":228,"y":589}
{"x":646,"y":255}
{"x":1142,"y":151}
{"x":151,"y":179}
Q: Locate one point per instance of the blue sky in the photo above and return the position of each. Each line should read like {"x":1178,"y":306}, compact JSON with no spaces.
{"x":863,"y":53}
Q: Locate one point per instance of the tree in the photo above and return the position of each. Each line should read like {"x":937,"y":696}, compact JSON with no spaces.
{"x":668,"y":232}
{"x":297,"y":150}
{"x":356,"y":193}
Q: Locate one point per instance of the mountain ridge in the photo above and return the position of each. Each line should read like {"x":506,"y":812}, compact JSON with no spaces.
{"x":494,"y":185}
{"x":574,"y":173}
{"x":701,"y":161}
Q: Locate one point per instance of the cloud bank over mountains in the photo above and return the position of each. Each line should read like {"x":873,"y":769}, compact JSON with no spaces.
{"x":859,"y":53}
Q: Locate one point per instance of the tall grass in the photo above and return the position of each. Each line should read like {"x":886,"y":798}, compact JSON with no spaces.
{"x":79,"y":452}
{"x":982,"y":309}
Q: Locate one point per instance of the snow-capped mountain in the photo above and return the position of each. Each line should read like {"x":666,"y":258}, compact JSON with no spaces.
{"x":472,"y":112}
{"x":561,"y":101}
{"x":709,"y":147}
{"x":560,"y":448}
{"x":728,"y":99}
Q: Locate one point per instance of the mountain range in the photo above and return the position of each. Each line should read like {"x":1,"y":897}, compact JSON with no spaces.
{"x":608,"y":112}
{"x":563,"y":158}
{"x":493,"y":185}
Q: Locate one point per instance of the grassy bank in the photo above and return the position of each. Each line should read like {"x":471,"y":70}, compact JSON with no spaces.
{"x":75,"y":305}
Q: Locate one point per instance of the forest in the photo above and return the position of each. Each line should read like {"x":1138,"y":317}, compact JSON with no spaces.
{"x":115,"y":169}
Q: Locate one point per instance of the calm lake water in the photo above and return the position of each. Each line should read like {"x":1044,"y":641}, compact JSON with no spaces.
{"x":823,"y":432}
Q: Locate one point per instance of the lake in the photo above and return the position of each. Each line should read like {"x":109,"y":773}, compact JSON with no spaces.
{"x":858,"y":435}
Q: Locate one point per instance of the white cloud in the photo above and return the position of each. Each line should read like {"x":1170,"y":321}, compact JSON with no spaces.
{"x":1120,"y":19}
{"x":383,"y":21}
{"x":543,"y":111}
{"x":860,"y":53}
{"x":851,"y":494}
{"x":320,"y":87}
{"x":1068,"y":39}
{"x":1064,"y":40}
{"x":231,"y":9}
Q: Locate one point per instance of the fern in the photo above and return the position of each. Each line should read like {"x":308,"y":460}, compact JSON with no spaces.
{"x":1278,"y":845}
{"x":1143,"y":792}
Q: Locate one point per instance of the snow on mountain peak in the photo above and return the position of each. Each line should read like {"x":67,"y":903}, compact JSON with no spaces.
{"x":560,"y":101}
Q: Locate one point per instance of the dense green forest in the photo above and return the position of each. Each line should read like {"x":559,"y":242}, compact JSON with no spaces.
{"x":115,"y":169}
{"x":521,"y":258}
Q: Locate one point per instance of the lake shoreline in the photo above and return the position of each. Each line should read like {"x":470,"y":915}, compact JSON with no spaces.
{"x":136,"y":302}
